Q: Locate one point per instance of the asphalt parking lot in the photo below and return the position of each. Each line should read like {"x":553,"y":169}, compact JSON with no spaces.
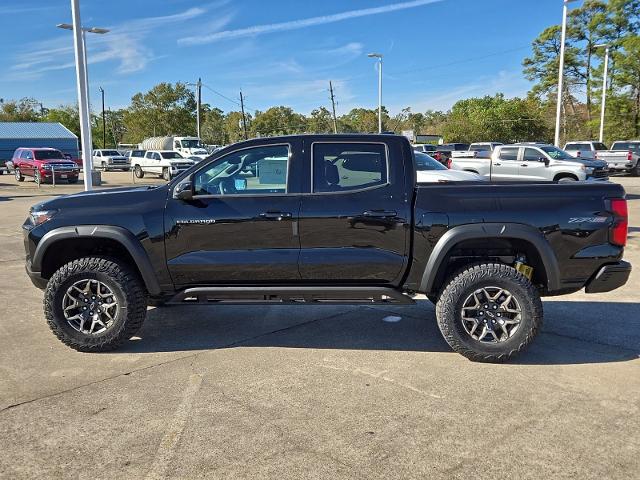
{"x":315,"y":392}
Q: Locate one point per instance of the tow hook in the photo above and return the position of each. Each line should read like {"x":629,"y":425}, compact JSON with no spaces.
{"x":522,"y":267}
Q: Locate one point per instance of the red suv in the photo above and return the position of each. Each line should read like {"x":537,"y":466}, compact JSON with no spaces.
{"x":42,"y":164}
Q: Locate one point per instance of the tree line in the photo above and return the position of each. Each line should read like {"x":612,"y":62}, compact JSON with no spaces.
{"x":169,"y":109}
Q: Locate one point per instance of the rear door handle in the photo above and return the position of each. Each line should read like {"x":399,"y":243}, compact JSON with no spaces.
{"x":380,"y":213}
{"x":275,"y":215}
{"x":497,"y":164}
{"x":524,"y":164}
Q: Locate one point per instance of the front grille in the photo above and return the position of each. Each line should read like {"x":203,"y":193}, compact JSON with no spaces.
{"x":600,"y":173}
{"x":63,"y":166}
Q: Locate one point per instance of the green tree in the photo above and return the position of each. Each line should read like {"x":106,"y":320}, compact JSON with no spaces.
{"x":67,"y":115}
{"x":494,"y":118}
{"x":23,"y":110}
{"x":212,"y":128}
{"x":166,"y":109}
{"x":320,"y":121}
{"x":278,"y":121}
{"x":363,"y":120}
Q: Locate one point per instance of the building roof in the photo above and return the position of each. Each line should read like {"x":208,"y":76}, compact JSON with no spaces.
{"x":28,"y":130}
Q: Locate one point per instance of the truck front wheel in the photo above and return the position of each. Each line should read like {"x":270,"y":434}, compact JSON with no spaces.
{"x":94,"y":304}
{"x":138,"y":172}
{"x":489,"y":312}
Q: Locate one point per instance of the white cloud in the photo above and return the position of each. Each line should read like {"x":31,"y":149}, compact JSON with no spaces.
{"x":124,"y":44}
{"x":298,"y":24}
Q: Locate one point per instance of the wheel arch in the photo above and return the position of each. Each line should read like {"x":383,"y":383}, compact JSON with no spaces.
{"x":99,"y":235}
{"x":531,"y":240}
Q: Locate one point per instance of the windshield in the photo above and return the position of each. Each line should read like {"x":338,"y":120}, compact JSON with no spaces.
{"x":191,"y":144}
{"x":171,"y":155}
{"x":49,"y":155}
{"x":556,"y":153}
{"x":110,"y":153}
{"x":426,"y":162}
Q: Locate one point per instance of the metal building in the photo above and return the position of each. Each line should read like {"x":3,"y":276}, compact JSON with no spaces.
{"x":14,"y":135}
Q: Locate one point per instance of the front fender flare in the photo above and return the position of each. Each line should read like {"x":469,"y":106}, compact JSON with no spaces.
{"x":485,"y":231}
{"x":121,"y":235}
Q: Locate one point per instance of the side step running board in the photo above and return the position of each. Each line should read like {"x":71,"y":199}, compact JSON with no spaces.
{"x":291,"y":295}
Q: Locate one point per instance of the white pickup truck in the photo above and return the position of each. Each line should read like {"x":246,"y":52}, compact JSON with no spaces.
{"x":624,"y":156}
{"x":165,"y":163}
{"x":477,"y":150}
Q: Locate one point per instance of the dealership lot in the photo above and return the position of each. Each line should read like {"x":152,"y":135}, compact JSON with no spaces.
{"x":348,"y":392}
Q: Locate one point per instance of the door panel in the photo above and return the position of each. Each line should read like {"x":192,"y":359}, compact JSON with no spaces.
{"x":354,"y":225}
{"x":242,"y":226}
{"x":506,"y":165}
{"x":531,"y":168}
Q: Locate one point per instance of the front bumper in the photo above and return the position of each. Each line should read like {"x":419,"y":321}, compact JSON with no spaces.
{"x":609,"y":277}
{"x":36,"y":277}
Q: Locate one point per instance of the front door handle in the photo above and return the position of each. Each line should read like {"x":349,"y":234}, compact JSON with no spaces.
{"x":524,"y":164}
{"x":380,"y":213}
{"x":275,"y":215}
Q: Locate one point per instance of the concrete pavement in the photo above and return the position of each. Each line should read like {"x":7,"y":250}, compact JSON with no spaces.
{"x":315,"y":392}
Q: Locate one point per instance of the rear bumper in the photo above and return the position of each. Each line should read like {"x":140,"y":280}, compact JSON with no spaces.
{"x":609,"y":277}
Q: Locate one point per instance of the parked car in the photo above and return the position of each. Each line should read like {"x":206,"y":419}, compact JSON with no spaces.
{"x":624,"y":156}
{"x":344,"y":222}
{"x":585,"y":149}
{"x":443,"y":152}
{"x":430,"y":170}
{"x":425,"y":147}
{"x":530,"y":161}
{"x":43,"y":164}
{"x":476,"y":150}
{"x":165,"y":163}
{"x":110,"y":160}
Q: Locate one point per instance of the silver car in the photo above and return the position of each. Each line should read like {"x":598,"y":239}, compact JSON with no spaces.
{"x":525,"y":162}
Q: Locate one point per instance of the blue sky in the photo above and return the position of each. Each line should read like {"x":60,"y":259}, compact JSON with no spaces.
{"x":278,"y":52}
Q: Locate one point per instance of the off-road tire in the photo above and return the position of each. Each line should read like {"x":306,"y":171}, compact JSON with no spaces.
{"x":166,"y":174}
{"x":18,"y":175}
{"x":138,"y":172}
{"x":472,"y":278}
{"x":128,"y":290}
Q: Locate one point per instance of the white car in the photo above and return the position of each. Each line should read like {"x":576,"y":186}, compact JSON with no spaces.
{"x":429,"y":170}
{"x":165,"y":163}
{"x":110,"y":160}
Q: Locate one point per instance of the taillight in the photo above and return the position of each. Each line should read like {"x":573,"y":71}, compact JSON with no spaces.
{"x":449,"y":163}
{"x":629,"y":156}
{"x":438,"y":156}
{"x":595,"y":155}
{"x":618,"y":232}
{"x":578,"y":154}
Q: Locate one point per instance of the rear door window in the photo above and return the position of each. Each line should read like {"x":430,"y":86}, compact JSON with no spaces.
{"x":343,"y":167}
{"x":599,"y":146}
{"x":508,"y":153}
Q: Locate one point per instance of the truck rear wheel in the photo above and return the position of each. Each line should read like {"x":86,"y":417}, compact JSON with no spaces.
{"x":489,"y":312}
{"x":94,"y":304}
{"x":138,"y":172}
{"x":166,"y":174}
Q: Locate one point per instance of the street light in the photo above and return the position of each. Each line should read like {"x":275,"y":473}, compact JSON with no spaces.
{"x":379,"y":57}
{"x":82,"y":79}
{"x":604,"y":86}
{"x":561,"y":69}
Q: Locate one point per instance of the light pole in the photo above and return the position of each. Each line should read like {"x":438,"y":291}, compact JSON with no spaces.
{"x":83,"y":86}
{"x":104,"y":122}
{"x":379,"y":57}
{"x":604,"y":86}
{"x":561,"y":69}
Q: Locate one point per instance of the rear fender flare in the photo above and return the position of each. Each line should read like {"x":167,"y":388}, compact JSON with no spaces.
{"x":491,"y":230}
{"x":121,"y":235}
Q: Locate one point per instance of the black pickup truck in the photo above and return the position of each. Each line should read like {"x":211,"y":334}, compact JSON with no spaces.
{"x":322,"y":219}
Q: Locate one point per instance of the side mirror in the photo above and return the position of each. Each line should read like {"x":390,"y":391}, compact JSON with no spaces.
{"x":184,"y":191}
{"x":544,"y":160}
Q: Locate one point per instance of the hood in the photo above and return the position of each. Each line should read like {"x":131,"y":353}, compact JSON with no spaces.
{"x":97,"y":196}
{"x":590,"y":163}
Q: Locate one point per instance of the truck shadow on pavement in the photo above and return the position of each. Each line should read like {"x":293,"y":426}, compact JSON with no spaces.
{"x":574,"y":332}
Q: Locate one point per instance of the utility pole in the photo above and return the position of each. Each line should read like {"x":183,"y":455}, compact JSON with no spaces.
{"x":244,"y":118}
{"x":563,"y":36}
{"x":104,"y":122}
{"x":199,"y":100}
{"x":333,"y":106}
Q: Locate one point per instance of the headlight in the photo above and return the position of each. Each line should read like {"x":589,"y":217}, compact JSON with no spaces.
{"x":38,"y":217}
{"x":46,"y":167}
